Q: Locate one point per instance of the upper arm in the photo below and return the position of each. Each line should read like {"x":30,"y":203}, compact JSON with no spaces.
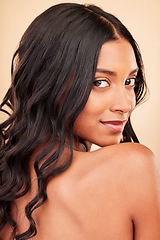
{"x":144,"y":194}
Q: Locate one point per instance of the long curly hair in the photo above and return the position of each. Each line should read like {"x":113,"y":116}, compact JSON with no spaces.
{"x":60,"y":45}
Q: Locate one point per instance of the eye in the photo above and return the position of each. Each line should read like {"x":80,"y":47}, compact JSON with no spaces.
{"x":101,"y":83}
{"x":130,"y":82}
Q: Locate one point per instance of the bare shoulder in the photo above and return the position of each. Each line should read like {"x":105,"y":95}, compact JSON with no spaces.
{"x":135,"y":164}
{"x":131,"y":156}
{"x":128,"y":176}
{"x":131,"y":149}
{"x":138,"y":176}
{"x":138,"y":160}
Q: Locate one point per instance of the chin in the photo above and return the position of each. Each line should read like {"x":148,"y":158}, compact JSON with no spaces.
{"x":107,"y":143}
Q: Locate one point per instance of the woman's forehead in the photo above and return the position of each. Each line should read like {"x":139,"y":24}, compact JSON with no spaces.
{"x":115,"y":54}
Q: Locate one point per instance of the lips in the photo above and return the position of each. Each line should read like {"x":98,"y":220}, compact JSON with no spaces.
{"x":115,"y":126}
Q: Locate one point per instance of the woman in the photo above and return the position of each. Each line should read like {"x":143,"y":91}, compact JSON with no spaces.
{"x":77,"y":75}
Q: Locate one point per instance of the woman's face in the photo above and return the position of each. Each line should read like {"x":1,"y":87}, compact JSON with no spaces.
{"x":112,"y":98}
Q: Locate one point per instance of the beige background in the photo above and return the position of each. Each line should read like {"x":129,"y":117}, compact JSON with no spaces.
{"x":140,"y":16}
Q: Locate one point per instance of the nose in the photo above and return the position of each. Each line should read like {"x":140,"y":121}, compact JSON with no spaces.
{"x":123,"y":101}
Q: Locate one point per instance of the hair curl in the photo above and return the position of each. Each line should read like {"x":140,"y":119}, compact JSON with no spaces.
{"x":61,"y":44}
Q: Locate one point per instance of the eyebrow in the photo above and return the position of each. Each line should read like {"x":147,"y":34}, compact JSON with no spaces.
{"x":101,"y":70}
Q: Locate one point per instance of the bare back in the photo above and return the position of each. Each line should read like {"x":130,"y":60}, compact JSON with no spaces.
{"x":98,"y":198}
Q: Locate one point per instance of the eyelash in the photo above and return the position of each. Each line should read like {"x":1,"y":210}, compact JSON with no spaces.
{"x":107,"y":83}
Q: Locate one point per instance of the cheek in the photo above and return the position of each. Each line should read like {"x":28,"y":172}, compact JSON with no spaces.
{"x":84,"y":120}
{"x":89,"y":115}
{"x":131,"y":97}
{"x":97,"y":103}
{"x":133,"y":101}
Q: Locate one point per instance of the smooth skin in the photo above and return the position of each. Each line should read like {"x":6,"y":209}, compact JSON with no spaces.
{"x":111,"y":98}
{"x":112,"y":193}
